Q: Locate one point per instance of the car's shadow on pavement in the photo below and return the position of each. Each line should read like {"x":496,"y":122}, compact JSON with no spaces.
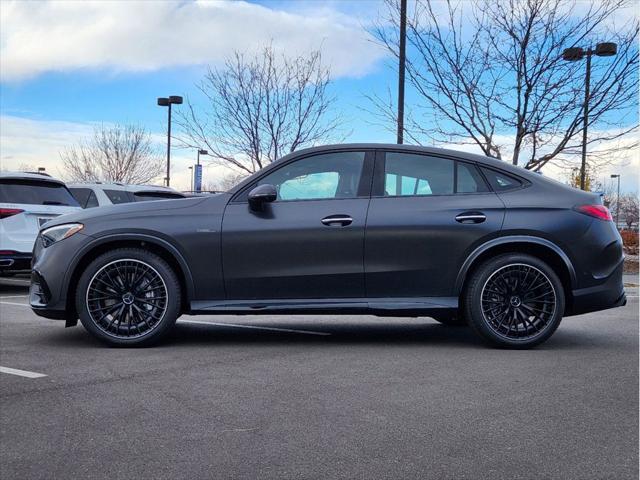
{"x":354,"y":333}
{"x":432,"y":334}
{"x":7,"y":288}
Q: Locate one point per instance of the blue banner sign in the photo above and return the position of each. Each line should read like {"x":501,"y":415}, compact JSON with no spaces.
{"x":198,"y":178}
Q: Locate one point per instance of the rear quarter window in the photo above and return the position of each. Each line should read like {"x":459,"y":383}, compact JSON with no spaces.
{"x":500,"y":181}
{"x":35,"y":192}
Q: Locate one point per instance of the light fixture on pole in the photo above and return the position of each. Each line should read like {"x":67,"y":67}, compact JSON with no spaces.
{"x":167,"y":102}
{"x":617,"y":198}
{"x":573,"y":54}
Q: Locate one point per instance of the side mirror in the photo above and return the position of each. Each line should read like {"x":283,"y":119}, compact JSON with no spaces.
{"x":262,"y":194}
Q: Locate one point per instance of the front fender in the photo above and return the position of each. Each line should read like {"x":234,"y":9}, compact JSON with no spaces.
{"x":113,"y":237}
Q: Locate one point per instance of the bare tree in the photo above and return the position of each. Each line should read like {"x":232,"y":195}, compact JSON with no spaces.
{"x":628,"y":209}
{"x":259,"y":108}
{"x":114,"y":154}
{"x":224,"y":182}
{"x":490,"y":73}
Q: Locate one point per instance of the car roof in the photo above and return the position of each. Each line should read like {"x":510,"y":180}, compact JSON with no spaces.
{"x":125,"y":187}
{"x":471,"y":157}
{"x":30,"y":176}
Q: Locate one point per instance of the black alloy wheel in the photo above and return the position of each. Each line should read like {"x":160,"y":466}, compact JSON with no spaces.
{"x":518,"y":301}
{"x":514,"y":300}
{"x":128,"y":296}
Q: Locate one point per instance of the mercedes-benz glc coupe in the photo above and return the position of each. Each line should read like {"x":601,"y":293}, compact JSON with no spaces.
{"x":389,"y":230}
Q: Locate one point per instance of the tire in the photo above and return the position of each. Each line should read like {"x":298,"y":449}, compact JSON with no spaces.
{"x":514,"y":301}
{"x":450,"y":320}
{"x":128,"y":297}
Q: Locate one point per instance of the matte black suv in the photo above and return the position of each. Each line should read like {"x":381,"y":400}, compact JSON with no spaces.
{"x":382,"y":229}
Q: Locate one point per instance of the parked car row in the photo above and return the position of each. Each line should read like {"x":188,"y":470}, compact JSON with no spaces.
{"x":29,"y":200}
{"x":91,"y":195}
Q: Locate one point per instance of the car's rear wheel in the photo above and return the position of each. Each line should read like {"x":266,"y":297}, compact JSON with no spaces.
{"x":128,"y":296}
{"x":514,"y":300}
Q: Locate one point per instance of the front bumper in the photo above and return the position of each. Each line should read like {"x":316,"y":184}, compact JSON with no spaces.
{"x":50,"y":277}
{"x":608,"y":294}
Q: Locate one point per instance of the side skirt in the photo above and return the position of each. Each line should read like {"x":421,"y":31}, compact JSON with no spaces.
{"x":389,"y":307}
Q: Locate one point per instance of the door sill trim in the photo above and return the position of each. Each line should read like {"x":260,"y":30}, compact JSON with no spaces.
{"x":329,"y":305}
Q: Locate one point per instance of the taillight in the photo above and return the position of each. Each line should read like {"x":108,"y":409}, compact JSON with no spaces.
{"x":596,"y":211}
{"x":9,"y":212}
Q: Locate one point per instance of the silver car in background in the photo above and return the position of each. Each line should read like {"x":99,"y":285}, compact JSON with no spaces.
{"x":98,"y":194}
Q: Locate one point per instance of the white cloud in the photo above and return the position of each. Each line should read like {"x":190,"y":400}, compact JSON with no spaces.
{"x":38,"y":143}
{"x":38,"y":37}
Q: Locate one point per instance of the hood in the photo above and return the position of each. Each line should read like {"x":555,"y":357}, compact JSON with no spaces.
{"x":98,"y":214}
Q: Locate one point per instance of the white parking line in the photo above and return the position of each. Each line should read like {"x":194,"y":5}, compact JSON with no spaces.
{"x":21,"y":373}
{"x":15,"y":281}
{"x":14,"y":296}
{"x":273,"y":329}
{"x":14,"y":303}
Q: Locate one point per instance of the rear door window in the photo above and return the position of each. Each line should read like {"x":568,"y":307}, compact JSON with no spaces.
{"x":119,"y":196}
{"x":85,"y":197}
{"x":408,"y":174}
{"x":469,"y":180}
{"x":35,"y":192}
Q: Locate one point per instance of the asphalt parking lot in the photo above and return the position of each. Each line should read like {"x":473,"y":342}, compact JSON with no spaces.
{"x":318,"y":397}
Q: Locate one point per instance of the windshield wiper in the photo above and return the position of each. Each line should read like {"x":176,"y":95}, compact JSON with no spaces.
{"x":53,"y":202}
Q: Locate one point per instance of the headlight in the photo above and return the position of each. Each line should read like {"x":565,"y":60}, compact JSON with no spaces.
{"x":52,"y":235}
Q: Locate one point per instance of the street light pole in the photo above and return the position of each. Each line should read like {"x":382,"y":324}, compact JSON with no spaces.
{"x":617,"y":199}
{"x":191,"y":186}
{"x":583,"y":164}
{"x":401,"y":68}
{"x":606,"y":49}
{"x":167,"y":102}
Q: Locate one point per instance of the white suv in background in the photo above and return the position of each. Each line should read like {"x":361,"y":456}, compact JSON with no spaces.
{"x":27,"y":202}
{"x":98,"y":194}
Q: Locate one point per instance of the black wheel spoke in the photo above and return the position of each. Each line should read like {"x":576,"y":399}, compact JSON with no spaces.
{"x":127,"y":298}
{"x":518,"y":301}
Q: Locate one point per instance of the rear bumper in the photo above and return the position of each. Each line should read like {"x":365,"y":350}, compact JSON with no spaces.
{"x":15,"y":262}
{"x":608,"y":294}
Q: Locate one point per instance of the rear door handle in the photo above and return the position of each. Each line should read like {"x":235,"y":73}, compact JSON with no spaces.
{"x":335,"y":220}
{"x":471,"y":217}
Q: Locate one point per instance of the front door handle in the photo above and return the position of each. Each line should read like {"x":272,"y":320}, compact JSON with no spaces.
{"x":337,"y":220}
{"x":471,"y":217}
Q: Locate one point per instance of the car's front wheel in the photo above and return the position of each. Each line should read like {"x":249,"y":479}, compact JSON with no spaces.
{"x":128,"y":296}
{"x":514,"y":300}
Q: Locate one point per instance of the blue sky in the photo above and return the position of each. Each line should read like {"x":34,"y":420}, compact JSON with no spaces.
{"x":69,"y":65}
